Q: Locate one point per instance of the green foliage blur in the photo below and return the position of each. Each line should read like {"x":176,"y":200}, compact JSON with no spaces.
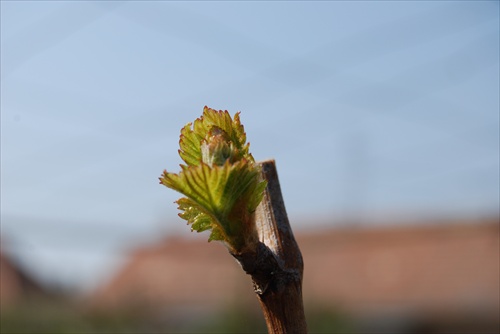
{"x":64,"y":316}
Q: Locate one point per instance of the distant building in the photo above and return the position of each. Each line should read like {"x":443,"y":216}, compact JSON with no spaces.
{"x":425,"y":274}
{"x":177,"y":273}
{"x":15,"y":284}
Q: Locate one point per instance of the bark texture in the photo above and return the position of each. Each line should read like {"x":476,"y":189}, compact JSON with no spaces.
{"x":276,"y":264}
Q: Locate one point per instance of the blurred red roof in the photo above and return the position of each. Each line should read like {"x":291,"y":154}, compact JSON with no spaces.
{"x":445,"y":268}
{"x":15,"y":284}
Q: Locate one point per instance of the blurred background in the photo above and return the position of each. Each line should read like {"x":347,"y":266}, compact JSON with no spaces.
{"x":383,"y":118}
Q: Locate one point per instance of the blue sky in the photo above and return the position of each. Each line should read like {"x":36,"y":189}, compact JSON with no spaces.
{"x":370,"y":109}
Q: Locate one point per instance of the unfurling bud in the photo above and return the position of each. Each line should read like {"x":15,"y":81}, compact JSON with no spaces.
{"x":216,"y":149}
{"x":221,"y":181}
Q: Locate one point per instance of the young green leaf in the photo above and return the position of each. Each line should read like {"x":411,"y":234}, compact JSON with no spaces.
{"x":221,"y":181}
